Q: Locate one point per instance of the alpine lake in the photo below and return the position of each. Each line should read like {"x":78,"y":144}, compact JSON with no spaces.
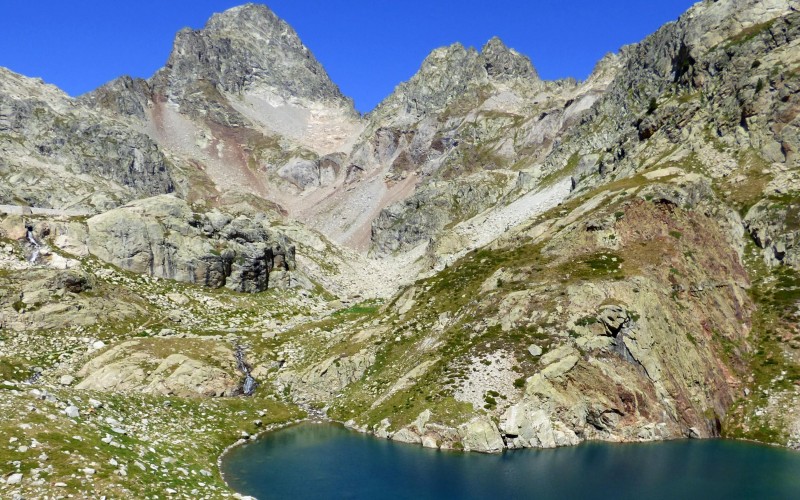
{"x":323,"y":460}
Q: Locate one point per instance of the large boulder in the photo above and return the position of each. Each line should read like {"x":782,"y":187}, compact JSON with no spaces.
{"x":480,"y":434}
{"x":527,"y":426}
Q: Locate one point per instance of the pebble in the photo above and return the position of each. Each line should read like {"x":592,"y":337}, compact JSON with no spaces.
{"x":72,"y":411}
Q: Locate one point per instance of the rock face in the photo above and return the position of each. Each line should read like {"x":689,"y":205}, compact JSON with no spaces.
{"x":162,"y":237}
{"x":332,"y":375}
{"x":56,"y":154}
{"x":450,"y":72}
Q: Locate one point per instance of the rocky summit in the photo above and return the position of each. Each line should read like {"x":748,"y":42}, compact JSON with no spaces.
{"x":486,"y":261}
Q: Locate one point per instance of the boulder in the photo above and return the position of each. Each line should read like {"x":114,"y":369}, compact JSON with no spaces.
{"x":480,"y":434}
{"x":406,"y":435}
{"x":382,"y":429}
{"x":527,"y":426}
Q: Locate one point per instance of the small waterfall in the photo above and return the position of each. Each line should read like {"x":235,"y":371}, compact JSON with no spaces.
{"x":250,"y":384}
{"x":32,"y":241}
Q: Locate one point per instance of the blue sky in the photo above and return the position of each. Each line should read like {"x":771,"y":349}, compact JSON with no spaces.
{"x":367,"y":47}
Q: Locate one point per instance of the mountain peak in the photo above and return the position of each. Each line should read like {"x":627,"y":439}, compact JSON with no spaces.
{"x":254,"y":14}
{"x":243,"y":47}
{"x":504,"y":63}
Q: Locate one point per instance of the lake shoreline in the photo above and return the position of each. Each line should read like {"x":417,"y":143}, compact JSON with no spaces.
{"x":317,"y":454}
{"x":320,"y":419}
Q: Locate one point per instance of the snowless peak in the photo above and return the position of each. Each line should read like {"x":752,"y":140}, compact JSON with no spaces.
{"x":249,"y":47}
{"x":502,"y":62}
{"x":250,"y":13}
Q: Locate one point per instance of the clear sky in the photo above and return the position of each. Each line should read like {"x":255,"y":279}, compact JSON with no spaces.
{"x":367,"y":46}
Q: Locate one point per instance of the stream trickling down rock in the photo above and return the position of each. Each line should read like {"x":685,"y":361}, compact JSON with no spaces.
{"x":328,"y":461}
{"x":36,"y":247}
{"x":249,"y":385}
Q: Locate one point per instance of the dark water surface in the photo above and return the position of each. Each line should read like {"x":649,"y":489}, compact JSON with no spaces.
{"x":328,"y":461}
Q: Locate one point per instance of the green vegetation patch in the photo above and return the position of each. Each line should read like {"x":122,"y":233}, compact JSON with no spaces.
{"x":750,"y":33}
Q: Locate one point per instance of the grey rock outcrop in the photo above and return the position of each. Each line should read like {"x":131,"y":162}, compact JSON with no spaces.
{"x":774,"y":225}
{"x":449,"y":73}
{"x":331,"y":375}
{"x":57,"y":154}
{"x":162,"y":237}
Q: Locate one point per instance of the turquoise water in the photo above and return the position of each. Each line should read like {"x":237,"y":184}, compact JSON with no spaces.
{"x":327,"y":461}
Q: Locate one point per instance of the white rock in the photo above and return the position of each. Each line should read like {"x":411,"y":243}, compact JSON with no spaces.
{"x":98,"y":345}
{"x":429,"y":441}
{"x":66,"y":380}
{"x":72,"y":411}
{"x":14,"y":478}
